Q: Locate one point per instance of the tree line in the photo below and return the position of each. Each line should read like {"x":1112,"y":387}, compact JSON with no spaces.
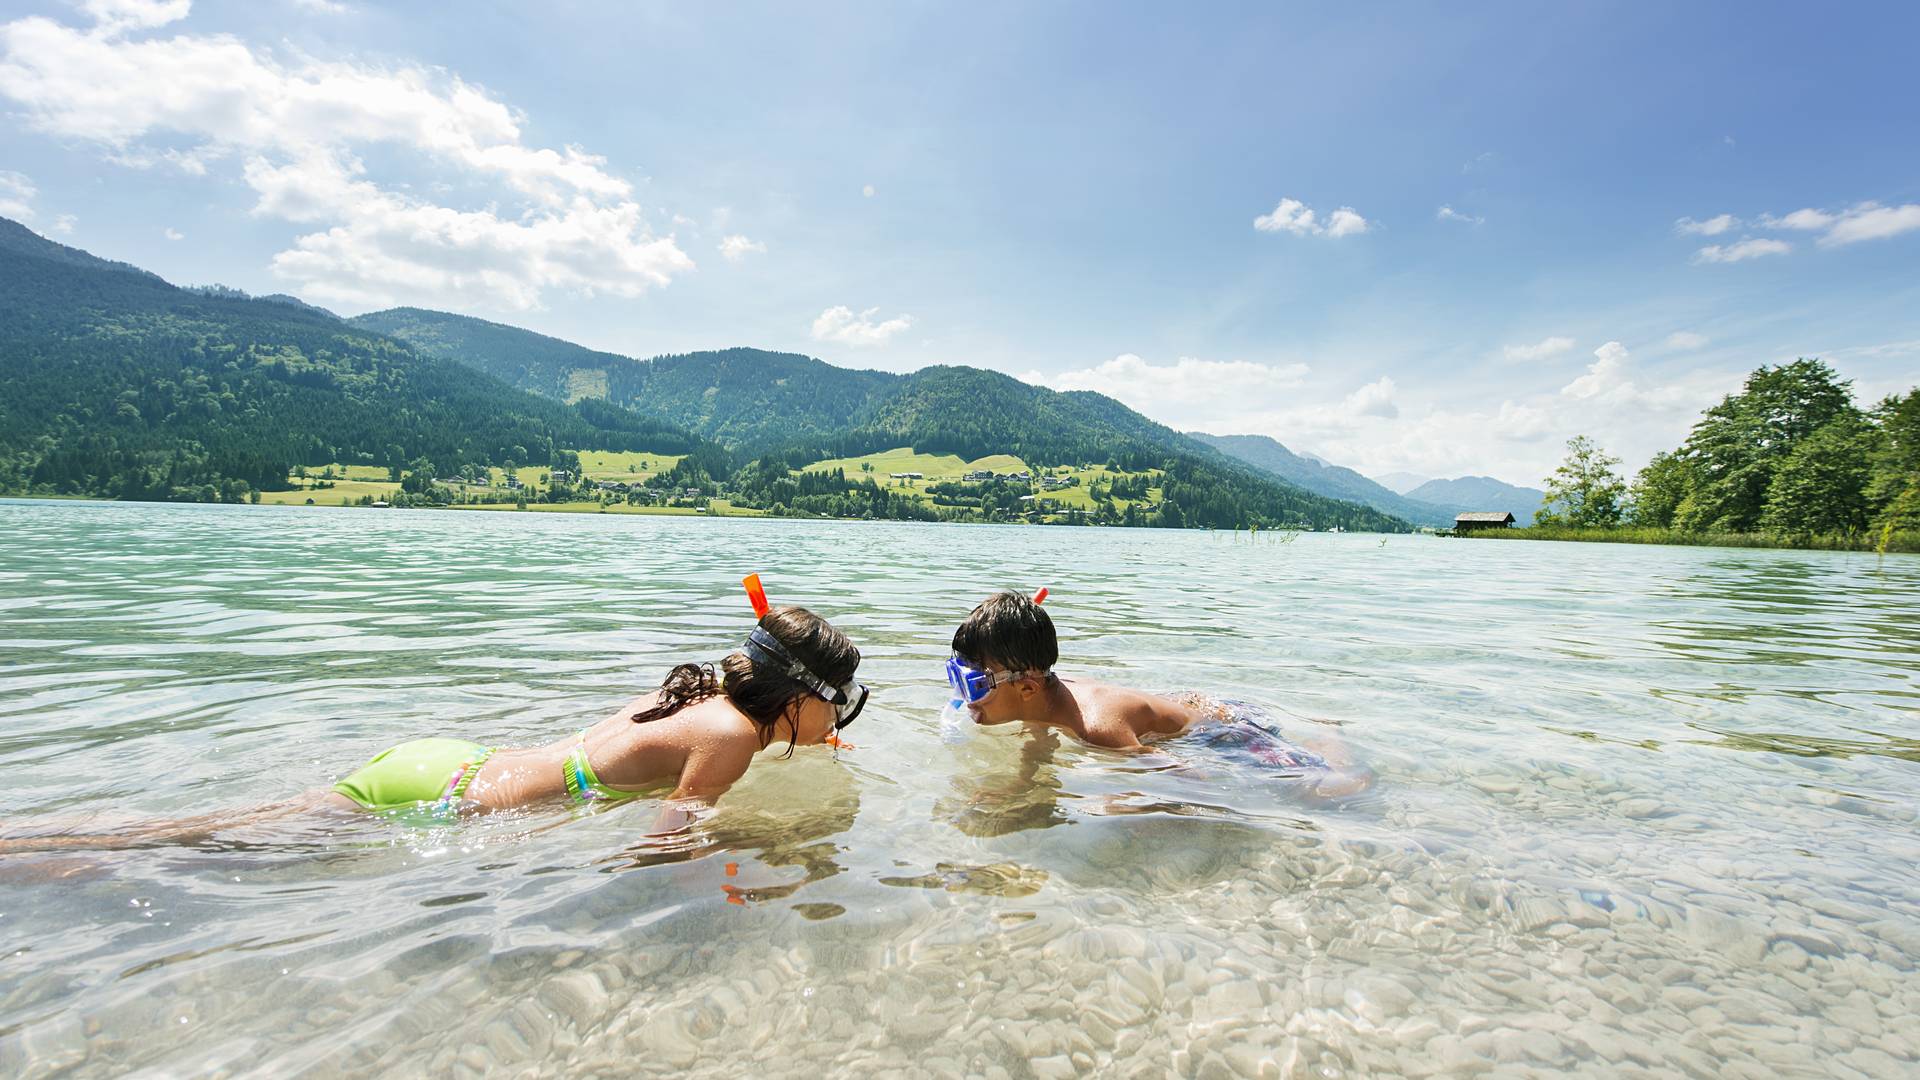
{"x":1790,"y":457}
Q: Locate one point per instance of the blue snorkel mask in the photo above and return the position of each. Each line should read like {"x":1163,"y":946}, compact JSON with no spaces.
{"x":971,"y":684}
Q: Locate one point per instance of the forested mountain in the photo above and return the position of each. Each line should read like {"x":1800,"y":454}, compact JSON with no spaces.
{"x":113,"y":382}
{"x":1324,"y":479}
{"x":1482,"y":493}
{"x":773,"y":398}
{"x":800,"y":409}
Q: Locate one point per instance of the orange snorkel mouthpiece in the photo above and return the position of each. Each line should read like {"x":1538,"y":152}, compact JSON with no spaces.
{"x":757,"y":595}
{"x":1041,"y":596}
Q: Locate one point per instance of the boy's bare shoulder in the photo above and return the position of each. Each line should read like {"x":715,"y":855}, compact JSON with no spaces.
{"x":1124,"y":716}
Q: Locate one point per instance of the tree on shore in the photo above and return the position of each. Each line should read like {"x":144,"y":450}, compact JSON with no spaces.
{"x":1738,"y":444}
{"x":1820,"y":488}
{"x":1660,"y":488}
{"x":1584,"y":492}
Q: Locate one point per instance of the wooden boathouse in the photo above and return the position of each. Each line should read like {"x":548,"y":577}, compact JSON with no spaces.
{"x":1474,"y":521}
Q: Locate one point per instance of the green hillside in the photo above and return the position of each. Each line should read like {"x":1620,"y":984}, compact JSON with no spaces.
{"x":795,"y":411}
{"x":773,"y":398}
{"x":113,"y":382}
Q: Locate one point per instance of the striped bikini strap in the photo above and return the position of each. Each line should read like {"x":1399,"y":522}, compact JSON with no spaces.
{"x":576,"y":771}
{"x":457,"y":785}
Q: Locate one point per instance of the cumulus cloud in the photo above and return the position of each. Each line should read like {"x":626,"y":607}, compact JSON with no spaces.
{"x":1862,"y":221}
{"x":1522,"y":423}
{"x":295,"y":126}
{"x":1713,"y":226}
{"x":867,"y":191}
{"x":1809,"y":219}
{"x":1539,"y":350}
{"x":114,"y":17}
{"x":1294,"y":216}
{"x":1448,"y":213}
{"x":1374,"y":399}
{"x":16,"y":195}
{"x":174,"y":234}
{"x":1610,"y":381}
{"x":1750,"y":248}
{"x":1186,"y":391}
{"x":1606,"y":377}
{"x":840,"y":324}
{"x":1871,"y":221}
{"x":1685,"y":340}
{"x":737,"y":247}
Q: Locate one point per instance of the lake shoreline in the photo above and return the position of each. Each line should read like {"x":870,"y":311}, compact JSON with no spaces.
{"x":1897,"y":544}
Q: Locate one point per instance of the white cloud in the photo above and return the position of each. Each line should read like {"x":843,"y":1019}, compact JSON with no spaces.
{"x":294,"y":126}
{"x":1609,"y":381}
{"x":1871,"y":221}
{"x":1522,"y":423}
{"x":840,"y":324}
{"x":1713,"y":226}
{"x":114,"y":17}
{"x":1294,"y":216}
{"x":16,"y":195}
{"x":1448,"y":213}
{"x":738,"y":247}
{"x":1374,"y":399}
{"x":1484,"y":160}
{"x":1539,"y":350}
{"x":1606,"y":377}
{"x":63,"y":224}
{"x":1685,"y":340}
{"x":1183,"y":392}
{"x":1750,"y":248}
{"x":1344,"y":222}
{"x":174,"y":234}
{"x":323,"y":7}
{"x":867,"y":191}
{"x":1809,"y":219}
{"x":1863,"y":221}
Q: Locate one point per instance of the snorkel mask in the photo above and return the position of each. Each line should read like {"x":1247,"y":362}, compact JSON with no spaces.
{"x":847,"y":699}
{"x":972,"y":684}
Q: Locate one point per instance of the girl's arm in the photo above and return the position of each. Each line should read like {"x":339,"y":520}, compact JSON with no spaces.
{"x":703,"y":779}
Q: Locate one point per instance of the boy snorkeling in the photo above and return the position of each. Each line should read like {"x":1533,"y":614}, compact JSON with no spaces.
{"x":791,"y":681}
{"x":1002,"y":672}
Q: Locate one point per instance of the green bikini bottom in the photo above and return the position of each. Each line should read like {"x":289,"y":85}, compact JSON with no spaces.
{"x":422,"y":774}
{"x":433,"y":774}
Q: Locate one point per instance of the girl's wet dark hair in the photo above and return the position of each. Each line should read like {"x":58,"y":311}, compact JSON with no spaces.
{"x":762,"y":692}
{"x":1010,"y":630}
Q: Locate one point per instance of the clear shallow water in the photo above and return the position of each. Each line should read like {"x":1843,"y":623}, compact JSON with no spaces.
{"x":1637,"y":808}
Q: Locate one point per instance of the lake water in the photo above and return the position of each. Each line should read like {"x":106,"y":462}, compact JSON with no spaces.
{"x":1636,"y":807}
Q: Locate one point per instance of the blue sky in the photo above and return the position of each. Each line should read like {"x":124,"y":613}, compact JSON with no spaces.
{"x":1440,"y":240}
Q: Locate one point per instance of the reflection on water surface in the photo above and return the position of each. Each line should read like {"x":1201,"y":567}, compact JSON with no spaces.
{"x":1635,"y":807}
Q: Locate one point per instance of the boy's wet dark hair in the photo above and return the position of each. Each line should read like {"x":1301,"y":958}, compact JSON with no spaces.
{"x":1010,"y":631}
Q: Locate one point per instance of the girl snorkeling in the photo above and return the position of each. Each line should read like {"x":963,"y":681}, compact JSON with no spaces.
{"x":791,"y":681}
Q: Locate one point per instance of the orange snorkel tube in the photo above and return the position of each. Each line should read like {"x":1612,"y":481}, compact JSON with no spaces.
{"x":1040,"y":597}
{"x":757,"y":596}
